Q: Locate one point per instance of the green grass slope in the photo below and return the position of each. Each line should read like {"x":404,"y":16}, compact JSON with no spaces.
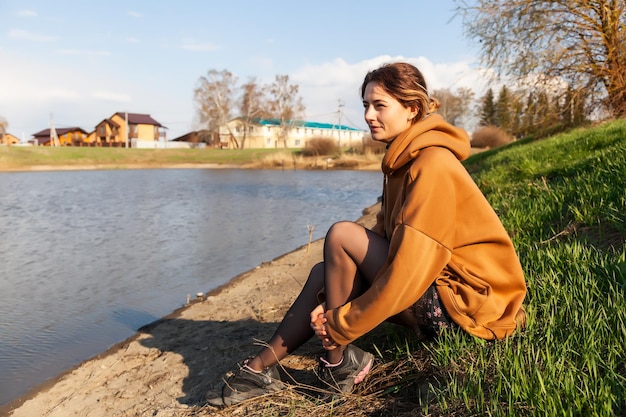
{"x":563,"y":200}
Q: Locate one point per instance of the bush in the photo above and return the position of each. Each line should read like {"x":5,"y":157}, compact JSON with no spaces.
{"x":490,"y":137}
{"x":372,"y":146}
{"x":320,"y":147}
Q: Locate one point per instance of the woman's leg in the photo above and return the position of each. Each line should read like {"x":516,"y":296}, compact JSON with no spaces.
{"x":294,"y":330}
{"x":353,"y":255}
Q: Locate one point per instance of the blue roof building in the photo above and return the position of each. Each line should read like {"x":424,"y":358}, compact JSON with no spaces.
{"x":268,"y":133}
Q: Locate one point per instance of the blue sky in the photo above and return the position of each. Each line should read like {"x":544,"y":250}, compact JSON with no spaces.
{"x":83,"y":61}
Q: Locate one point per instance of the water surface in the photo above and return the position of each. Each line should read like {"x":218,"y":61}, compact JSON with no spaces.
{"x":87,"y":257}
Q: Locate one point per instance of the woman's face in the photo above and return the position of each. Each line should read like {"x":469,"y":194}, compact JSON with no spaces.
{"x":386,"y":117}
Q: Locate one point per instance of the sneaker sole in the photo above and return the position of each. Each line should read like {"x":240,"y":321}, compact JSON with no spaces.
{"x":363,"y":373}
{"x":236,"y":397}
{"x":360,"y":376}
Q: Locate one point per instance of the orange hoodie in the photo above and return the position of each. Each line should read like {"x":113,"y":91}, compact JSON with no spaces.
{"x":441,"y":229}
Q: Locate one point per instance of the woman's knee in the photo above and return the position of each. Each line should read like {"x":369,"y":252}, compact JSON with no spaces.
{"x":340,"y":231}
{"x":316,"y":275}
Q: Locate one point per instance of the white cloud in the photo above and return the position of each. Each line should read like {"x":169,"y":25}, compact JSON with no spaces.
{"x":111,"y":96}
{"x":134,"y":14}
{"x":132,"y":40}
{"x":323,"y":86}
{"x":30,"y":36}
{"x":27,"y":13}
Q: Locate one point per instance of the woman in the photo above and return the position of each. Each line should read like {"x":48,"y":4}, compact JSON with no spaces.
{"x":437,"y":257}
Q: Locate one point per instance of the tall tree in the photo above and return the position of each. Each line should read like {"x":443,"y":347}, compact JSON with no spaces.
{"x":488,"y":109}
{"x":285,"y":105}
{"x":253,"y":103}
{"x":580,"y":41}
{"x":214,"y":97}
{"x":503,"y":109}
{"x":455,"y":106}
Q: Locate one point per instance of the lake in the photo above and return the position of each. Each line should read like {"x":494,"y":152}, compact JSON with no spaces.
{"x":88,"y":257}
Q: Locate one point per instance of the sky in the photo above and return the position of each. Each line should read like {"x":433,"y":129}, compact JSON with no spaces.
{"x":75,"y":63}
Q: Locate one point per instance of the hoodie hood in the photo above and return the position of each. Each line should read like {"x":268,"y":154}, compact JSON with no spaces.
{"x":431,"y":131}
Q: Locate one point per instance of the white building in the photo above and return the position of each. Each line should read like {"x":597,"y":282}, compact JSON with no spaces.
{"x":266,"y":133}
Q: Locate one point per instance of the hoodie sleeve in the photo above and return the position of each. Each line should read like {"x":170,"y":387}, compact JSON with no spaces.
{"x":419,"y":250}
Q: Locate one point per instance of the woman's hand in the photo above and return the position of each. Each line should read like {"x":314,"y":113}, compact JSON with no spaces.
{"x":318,"y":324}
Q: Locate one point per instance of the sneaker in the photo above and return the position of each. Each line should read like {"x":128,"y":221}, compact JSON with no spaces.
{"x":245,"y":383}
{"x":353,"y":368}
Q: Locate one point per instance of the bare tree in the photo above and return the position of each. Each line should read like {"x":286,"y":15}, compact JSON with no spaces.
{"x":285,"y":105}
{"x":3,"y":130}
{"x":455,"y":106}
{"x":214,"y":97}
{"x":253,"y":103}
{"x":582,"y":42}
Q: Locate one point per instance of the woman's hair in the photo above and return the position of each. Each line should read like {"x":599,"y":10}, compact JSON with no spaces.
{"x":406,"y":84}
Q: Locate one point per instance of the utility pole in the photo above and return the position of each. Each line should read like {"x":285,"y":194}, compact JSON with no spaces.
{"x":339,"y":107}
{"x":126,"y":120}
{"x":54,"y":138}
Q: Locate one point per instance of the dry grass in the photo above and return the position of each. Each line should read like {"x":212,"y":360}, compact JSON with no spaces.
{"x":410,"y":377}
{"x":287,"y":160}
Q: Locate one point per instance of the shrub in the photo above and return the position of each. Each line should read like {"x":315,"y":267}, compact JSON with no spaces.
{"x":490,"y":137}
{"x":320,"y":147}
{"x":372,"y":146}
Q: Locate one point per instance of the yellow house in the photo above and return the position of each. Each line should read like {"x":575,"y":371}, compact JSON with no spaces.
{"x":68,"y":136}
{"x":124,"y":129}
{"x":9,"y":139}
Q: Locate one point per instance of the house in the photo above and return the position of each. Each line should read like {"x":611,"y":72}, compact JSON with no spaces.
{"x":9,"y":139}
{"x":197,"y":138}
{"x":267,"y":133}
{"x":114,"y":132}
{"x":68,"y":136}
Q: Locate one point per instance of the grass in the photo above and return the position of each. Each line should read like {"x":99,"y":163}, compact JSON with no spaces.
{"x":563,"y":200}
{"x":15,"y":158}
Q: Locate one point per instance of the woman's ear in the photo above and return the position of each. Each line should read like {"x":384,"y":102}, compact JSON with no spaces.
{"x":414,"y":112}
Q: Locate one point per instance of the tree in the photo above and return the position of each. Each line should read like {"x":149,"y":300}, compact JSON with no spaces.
{"x":488,"y":109}
{"x":252,"y":104}
{"x":285,"y":105}
{"x":3,"y":130}
{"x":455,"y":106}
{"x":582,"y":42}
{"x":503,"y":109}
{"x":214,"y":96}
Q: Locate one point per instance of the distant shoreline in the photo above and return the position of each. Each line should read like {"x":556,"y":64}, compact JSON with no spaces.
{"x":103,"y":167}
{"x":96,"y":167}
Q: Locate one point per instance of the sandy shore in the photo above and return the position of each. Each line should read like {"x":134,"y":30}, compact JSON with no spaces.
{"x":166,"y":368}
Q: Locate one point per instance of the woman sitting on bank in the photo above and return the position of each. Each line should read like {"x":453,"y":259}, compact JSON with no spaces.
{"x":437,"y":257}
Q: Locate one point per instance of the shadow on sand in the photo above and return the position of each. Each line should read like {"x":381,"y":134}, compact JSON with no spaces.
{"x":211,"y":348}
